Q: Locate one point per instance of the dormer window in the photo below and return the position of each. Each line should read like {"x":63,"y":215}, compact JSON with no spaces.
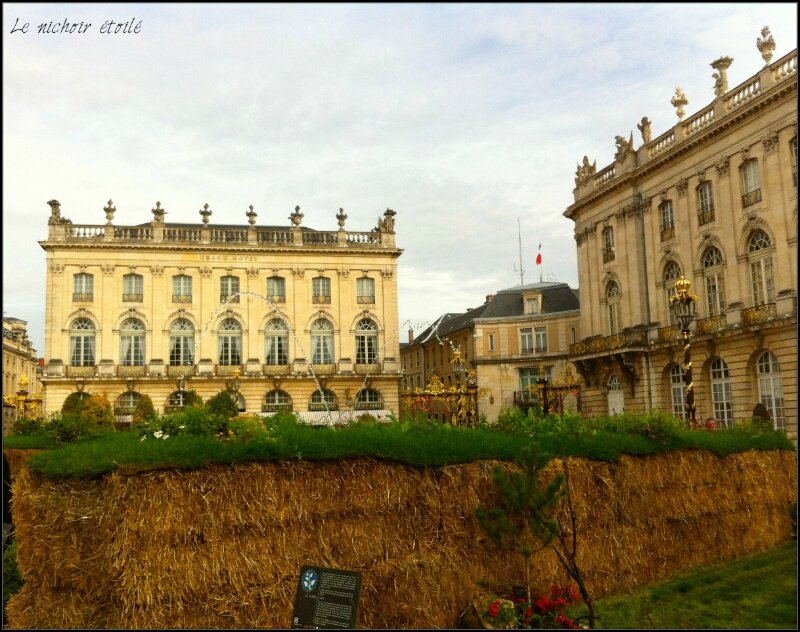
{"x":533,"y":305}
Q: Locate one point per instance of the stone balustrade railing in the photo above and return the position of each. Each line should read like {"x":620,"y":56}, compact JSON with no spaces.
{"x":218,"y":236}
{"x":722,"y":106}
{"x":702,"y":119}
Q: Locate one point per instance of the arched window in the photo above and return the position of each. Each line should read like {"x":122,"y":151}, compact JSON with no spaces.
{"x":671,"y":273}
{"x":366,"y":342}
{"x":677,"y":390}
{"x":126,"y":403}
{"x":83,"y":287}
{"x":751,"y":182}
{"x":181,"y":343}
{"x":761,"y":279}
{"x":177,"y":400}
{"x":770,"y":387}
{"x":705,"y":203}
{"x":368,"y":399}
{"x":277,"y":341}
{"x":181,"y":288}
{"x":322,"y":342}
{"x":81,"y":342}
{"x":230,"y":342}
{"x":714,"y":275}
{"x":616,"y":396}
{"x":613,"y":298}
{"x":131,"y":342}
{"x":133,"y":288}
{"x":276,"y":289}
{"x":721,"y":394}
{"x":276,"y":400}
{"x":323,"y":400}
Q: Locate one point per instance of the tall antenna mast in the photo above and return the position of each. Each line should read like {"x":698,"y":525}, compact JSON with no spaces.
{"x":521,"y":270}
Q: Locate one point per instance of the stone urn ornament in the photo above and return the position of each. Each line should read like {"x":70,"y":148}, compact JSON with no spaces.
{"x":678,"y":102}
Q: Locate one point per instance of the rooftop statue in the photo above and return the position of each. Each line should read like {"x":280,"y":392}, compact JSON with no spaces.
{"x":585,"y":171}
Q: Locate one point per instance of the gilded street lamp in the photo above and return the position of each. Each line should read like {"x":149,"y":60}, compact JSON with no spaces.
{"x":458,"y":366}
{"x":683,"y":305}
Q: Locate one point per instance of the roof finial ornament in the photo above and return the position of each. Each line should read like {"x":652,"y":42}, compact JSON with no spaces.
{"x":110,"y":210}
{"x":721,"y":77}
{"x":206,"y":213}
{"x":678,"y":101}
{"x":251,"y":216}
{"x":766,"y":45}
{"x":296,"y":217}
{"x":341,"y":216}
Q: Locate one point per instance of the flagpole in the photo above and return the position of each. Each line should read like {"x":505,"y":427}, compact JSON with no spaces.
{"x":521,"y":271}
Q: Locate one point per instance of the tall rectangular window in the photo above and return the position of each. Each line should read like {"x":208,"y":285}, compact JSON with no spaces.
{"x":677,"y":389}
{"x":608,"y":244}
{"x":705,"y":203}
{"x":181,"y":288}
{"x":751,"y":182}
{"x":229,"y":289}
{"x":83,"y":287}
{"x":365,"y":290}
{"x":540,"y":344}
{"x":491,"y":342}
{"x":133,"y":288}
{"x":667,"y":220}
{"x":276,"y":289}
{"x":321,"y":290}
{"x":526,"y":340}
{"x":532,"y":305}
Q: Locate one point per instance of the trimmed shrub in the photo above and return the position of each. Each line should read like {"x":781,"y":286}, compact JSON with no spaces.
{"x":144,"y":410}
{"x":25,"y":426}
{"x":194,"y":420}
{"x":246,"y":428}
{"x":73,"y":404}
{"x":67,"y":428}
{"x":97,"y":410}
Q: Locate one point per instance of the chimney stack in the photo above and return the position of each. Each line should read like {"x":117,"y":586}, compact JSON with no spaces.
{"x":410,"y":335}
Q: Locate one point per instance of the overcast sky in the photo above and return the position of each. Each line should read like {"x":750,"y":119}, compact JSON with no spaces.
{"x":461,"y":118}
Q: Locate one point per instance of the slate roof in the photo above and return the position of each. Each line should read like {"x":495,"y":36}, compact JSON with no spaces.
{"x":556,"y":297}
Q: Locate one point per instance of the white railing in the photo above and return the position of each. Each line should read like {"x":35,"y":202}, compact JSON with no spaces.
{"x":606,"y":175}
{"x":275,"y":236}
{"x":363,"y":238}
{"x":784,"y":67}
{"x":661,"y":144}
{"x":86,"y":231}
{"x":702,"y":119}
{"x":743,"y":94}
{"x":133,"y":232}
{"x":234,"y":235}
{"x":181,"y":234}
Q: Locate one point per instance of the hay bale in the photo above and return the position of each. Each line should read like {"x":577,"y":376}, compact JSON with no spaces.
{"x":221,"y":547}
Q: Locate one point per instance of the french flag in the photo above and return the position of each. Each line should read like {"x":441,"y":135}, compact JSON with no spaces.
{"x":539,"y":256}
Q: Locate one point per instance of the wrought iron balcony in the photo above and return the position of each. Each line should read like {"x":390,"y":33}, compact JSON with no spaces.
{"x":83,"y":297}
{"x":323,"y":369}
{"x":365,"y":368}
{"x":276,"y":369}
{"x":669,"y":334}
{"x":712,"y":324}
{"x":759,"y":314}
{"x":705,"y":216}
{"x":318,"y":298}
{"x":230,"y":369}
{"x":131,"y":371}
{"x":81,"y":371}
{"x":622,"y":340}
{"x":608,"y":255}
{"x":180,"y":370}
{"x":224,"y":297}
{"x":181,"y":298}
{"x":366,"y":299}
{"x":667,"y":233}
{"x":132,"y":298}
{"x":277,"y":298}
{"x":751,"y":198}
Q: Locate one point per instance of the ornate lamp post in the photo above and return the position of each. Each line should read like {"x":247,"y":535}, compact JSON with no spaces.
{"x":683,"y":308}
{"x":458,"y":366}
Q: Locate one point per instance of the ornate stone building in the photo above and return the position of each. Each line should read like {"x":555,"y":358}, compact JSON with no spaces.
{"x":714,"y":198}
{"x":19,"y":357}
{"x":283,"y":318}
{"x":515,"y":337}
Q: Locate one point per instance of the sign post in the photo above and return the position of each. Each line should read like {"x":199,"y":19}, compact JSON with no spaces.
{"x":326,"y":598}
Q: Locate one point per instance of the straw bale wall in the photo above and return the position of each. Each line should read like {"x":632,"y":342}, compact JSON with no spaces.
{"x":221,"y":547}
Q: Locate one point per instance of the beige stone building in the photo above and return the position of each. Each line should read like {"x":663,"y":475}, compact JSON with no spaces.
{"x":283,"y":318}
{"x":713,"y":198}
{"x":513,"y":338}
{"x":19,"y":357}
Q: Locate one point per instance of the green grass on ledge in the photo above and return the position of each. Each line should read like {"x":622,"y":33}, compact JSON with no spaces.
{"x":415,"y":444}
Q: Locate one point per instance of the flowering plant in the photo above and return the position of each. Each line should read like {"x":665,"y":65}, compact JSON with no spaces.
{"x":548,"y":610}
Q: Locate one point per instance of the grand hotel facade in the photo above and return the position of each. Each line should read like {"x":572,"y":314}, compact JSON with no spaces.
{"x":282,"y":318}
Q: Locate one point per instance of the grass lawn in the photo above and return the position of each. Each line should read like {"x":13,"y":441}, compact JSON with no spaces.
{"x":756,"y":592}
